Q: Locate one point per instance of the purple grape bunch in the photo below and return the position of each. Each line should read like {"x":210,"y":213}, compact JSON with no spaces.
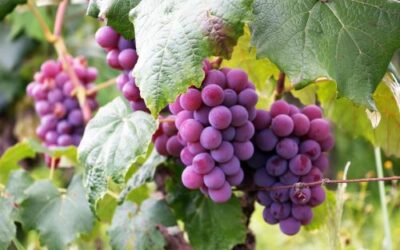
{"x":121,"y":55}
{"x":214,"y":125}
{"x":291,"y":146}
{"x":61,"y":118}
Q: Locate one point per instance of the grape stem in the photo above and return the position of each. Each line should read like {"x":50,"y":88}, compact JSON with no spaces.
{"x":60,"y":18}
{"x":169,"y":119}
{"x":52,"y":168}
{"x":280,"y":86}
{"x":101,"y":86}
{"x":216,"y":64}
{"x":59,"y":45}
{"x":300,"y":185}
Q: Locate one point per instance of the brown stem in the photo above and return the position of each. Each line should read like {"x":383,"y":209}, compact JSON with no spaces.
{"x":60,"y":17}
{"x":300,"y":185}
{"x":169,"y":119}
{"x":216,"y":64}
{"x":280,"y":85}
{"x":101,"y":86}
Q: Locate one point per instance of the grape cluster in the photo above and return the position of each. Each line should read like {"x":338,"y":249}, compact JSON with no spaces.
{"x":166,"y":139}
{"x":214,"y":125}
{"x":61,"y":118}
{"x":291,"y":147}
{"x":121,"y":55}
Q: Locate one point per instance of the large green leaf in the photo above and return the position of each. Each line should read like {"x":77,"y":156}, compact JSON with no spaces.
{"x":349,"y":41}
{"x":209,"y":225}
{"x":144,"y":174}
{"x":58,"y":217}
{"x":7,"y":226}
{"x":112,"y":142}
{"x":134,"y":228}
{"x":6,"y":6}
{"x":174,"y":37}
{"x":116,"y":13}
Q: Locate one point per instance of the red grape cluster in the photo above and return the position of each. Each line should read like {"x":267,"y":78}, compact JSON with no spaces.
{"x":61,"y":118}
{"x":121,"y":55}
{"x":214,"y":125}
{"x":291,"y":147}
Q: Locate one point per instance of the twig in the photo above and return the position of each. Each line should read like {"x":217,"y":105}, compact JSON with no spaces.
{"x":169,"y":119}
{"x":300,"y":185}
{"x":101,"y":86}
{"x":52,"y":167}
{"x":216,"y":64}
{"x":112,"y":194}
{"x":280,"y":85}
{"x":60,"y":18}
{"x":47,"y":33}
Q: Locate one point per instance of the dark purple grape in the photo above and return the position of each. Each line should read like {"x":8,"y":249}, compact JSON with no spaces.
{"x":289,"y":178}
{"x":268,"y":217}
{"x":302,"y":213}
{"x":231,"y":167}
{"x":248,"y":98}
{"x":264,"y":198}
{"x":202,"y":114}
{"x":191,"y":100}
{"x":236,"y":179}
{"x":215,"y":77}
{"x":107,"y":38}
{"x":210,"y":138}
{"x":290,"y":226}
{"x":190,"y":130}
{"x":301,"y":124}
{"x":266,"y":140}
{"x":262,"y":179}
{"x":279,"y":195}
{"x":161,"y":145}
{"x":186,"y":156}
{"x":300,"y":165}
{"x":230,"y":97}
{"x":214,"y":179}
{"x":312,"y":112}
{"x":319,"y":129}
{"x":287,"y":148}
{"x":282,"y":125}
{"x":203,"y":163}
{"x":221,"y":195}
{"x":262,"y":120}
{"x":191,"y":179}
{"x":243,"y":150}
{"x":317,"y":196}
{"x":322,"y":163}
{"x":239,"y":115}
{"x":245,"y":132}
{"x":237,"y":79}
{"x":220,"y":117}
{"x":314,"y":175}
{"x":280,"y":210}
{"x":229,"y":134}
{"x":310,"y":148}
{"x":212,"y":95}
{"x":280,"y":107}
{"x":174,"y":146}
{"x":300,"y":195}
{"x":223,"y":153}
{"x":276,"y":166}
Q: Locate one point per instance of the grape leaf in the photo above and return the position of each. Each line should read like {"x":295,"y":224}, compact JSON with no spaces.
{"x":116,"y":13}
{"x":9,"y":160}
{"x":18,"y":182}
{"x":7,"y":6}
{"x":58,"y":217}
{"x":112,"y":142}
{"x":7,"y":226}
{"x":174,"y":37}
{"x":349,"y":41}
{"x":209,"y":225}
{"x":144,"y":174}
{"x":134,"y":228}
